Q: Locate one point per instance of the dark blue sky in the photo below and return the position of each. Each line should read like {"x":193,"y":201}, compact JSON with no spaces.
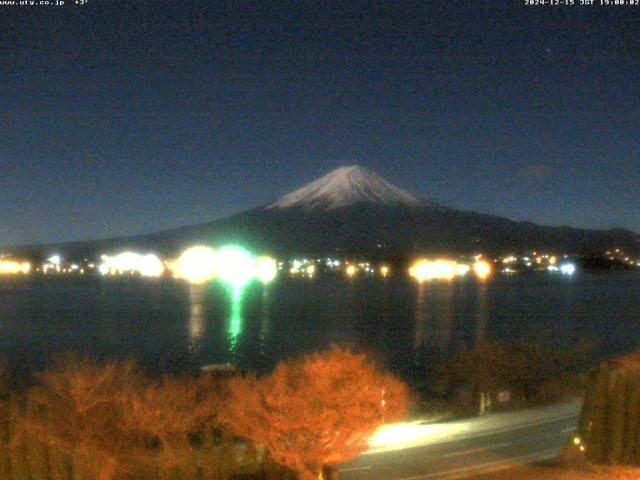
{"x":127,"y":117}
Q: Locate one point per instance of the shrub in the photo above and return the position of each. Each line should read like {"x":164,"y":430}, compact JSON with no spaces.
{"x":314,"y":411}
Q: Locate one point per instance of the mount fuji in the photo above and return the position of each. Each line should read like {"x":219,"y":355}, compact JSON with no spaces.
{"x":353,"y":211}
{"x":345,"y":187}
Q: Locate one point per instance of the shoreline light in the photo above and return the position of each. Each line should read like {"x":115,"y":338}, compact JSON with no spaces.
{"x":462,"y":269}
{"x":197,"y":265}
{"x":266,"y":269}
{"x":11,"y":267}
{"x":482,"y":269}
{"x":423,"y":270}
{"x":568,"y":268}
{"x":148,"y":265}
{"x":311,"y":270}
{"x":235,"y":266}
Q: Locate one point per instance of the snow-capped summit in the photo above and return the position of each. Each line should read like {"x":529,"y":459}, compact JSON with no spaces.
{"x":346,"y":186}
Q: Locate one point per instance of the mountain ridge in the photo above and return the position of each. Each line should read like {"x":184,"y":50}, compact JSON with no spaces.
{"x":354,"y":211}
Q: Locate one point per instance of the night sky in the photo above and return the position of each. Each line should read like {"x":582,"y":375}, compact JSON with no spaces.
{"x":128,"y":117}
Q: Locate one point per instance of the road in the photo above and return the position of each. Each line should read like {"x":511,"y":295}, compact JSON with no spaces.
{"x":466,"y":449}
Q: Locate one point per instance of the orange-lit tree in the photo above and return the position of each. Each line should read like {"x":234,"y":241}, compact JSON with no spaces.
{"x":165,"y":415}
{"x":76,"y":408}
{"x":112,"y":420}
{"x":314,"y":411}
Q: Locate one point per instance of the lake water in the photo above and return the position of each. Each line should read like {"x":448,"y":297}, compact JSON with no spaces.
{"x":169,"y":326}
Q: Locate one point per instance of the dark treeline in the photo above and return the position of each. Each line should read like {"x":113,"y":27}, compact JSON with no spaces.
{"x":526,"y":371}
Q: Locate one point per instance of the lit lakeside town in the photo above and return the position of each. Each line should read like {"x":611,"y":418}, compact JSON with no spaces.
{"x":200,"y":263}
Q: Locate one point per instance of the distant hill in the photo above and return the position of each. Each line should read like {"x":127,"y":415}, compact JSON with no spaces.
{"x":354,"y":211}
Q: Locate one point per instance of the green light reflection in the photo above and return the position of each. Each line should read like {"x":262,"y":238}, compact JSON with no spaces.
{"x":235,"y":320}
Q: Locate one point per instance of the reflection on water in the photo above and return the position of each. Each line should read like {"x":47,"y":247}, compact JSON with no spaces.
{"x":217,"y":333}
{"x":235,"y":322}
{"x":443,"y":319}
{"x":196,"y":317}
{"x":482,"y":313}
{"x":265,"y":321}
{"x":434,"y":315}
{"x":421,"y":319}
{"x":169,"y":326}
{"x":207,"y":343}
